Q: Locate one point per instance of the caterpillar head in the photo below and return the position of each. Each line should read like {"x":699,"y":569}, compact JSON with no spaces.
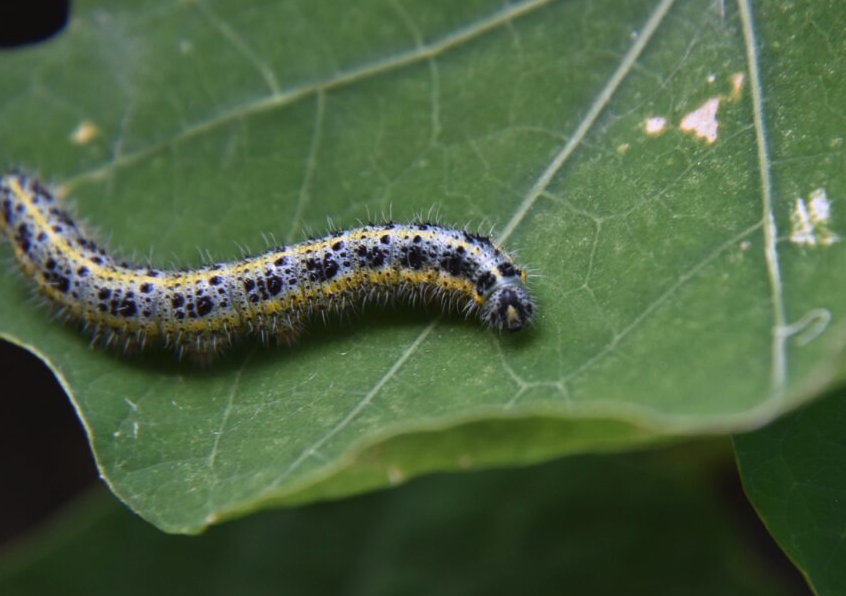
{"x":508,"y":308}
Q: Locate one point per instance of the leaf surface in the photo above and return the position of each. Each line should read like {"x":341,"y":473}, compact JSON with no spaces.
{"x":676,"y":291}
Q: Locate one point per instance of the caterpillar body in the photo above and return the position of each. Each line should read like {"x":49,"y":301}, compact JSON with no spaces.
{"x":271,"y":295}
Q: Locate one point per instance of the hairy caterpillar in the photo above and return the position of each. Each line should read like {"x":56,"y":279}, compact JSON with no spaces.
{"x":271,"y":295}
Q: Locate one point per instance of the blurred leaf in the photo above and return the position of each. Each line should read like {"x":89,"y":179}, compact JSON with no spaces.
{"x":626,"y":527}
{"x":794,"y":472}
{"x":667,"y":302}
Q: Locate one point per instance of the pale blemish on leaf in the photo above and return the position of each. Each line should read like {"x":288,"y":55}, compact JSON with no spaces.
{"x":809,"y":221}
{"x":84,"y":133}
{"x":654,"y":126}
{"x":801,"y":232}
{"x":736,"y":86}
{"x":395,"y":475}
{"x":819,"y":210}
{"x":702,"y":121}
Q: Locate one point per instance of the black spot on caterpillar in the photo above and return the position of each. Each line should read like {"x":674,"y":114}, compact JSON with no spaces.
{"x":201,"y":311}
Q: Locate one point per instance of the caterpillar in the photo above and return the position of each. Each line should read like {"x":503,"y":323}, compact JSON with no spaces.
{"x":201,"y":311}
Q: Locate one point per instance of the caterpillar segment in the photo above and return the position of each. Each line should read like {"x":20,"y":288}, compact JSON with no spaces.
{"x":272,"y":295}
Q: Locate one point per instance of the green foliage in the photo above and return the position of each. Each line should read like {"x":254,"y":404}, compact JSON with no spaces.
{"x":794,"y":472}
{"x":530,"y":530}
{"x":677,"y":293}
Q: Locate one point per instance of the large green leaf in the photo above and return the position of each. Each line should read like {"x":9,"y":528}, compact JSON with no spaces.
{"x":794,"y":472}
{"x":528,"y":530}
{"x":672,"y":296}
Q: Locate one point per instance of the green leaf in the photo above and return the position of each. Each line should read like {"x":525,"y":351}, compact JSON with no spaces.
{"x":672,"y":296}
{"x":530,"y":530}
{"x":794,"y":472}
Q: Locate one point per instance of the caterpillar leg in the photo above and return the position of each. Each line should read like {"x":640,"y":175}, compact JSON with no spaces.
{"x":200,"y":348}
{"x":286,"y":332}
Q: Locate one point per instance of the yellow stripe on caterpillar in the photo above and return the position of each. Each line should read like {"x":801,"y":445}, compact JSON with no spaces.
{"x":203,"y":310}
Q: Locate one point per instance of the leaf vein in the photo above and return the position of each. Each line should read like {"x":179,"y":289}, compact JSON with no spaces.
{"x":598,"y":104}
{"x":311,"y":165}
{"x":227,"y":412}
{"x":237,"y":41}
{"x":362,"y":72}
{"x":361,"y":404}
{"x":651,"y":307}
{"x":778,"y":354}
